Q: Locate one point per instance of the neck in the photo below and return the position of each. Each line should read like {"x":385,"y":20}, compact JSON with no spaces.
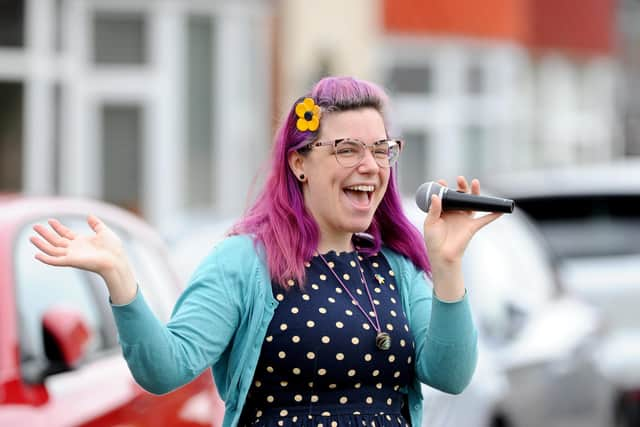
{"x":335,"y":243}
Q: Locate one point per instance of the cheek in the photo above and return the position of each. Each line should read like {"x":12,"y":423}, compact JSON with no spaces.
{"x":384,"y":179}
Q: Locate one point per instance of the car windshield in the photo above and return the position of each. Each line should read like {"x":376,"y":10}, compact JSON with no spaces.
{"x":587,"y":226}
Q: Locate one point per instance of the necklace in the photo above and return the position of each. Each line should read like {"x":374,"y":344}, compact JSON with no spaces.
{"x":383,"y":340}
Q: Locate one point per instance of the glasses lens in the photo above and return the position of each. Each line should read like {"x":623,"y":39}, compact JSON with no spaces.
{"x":382,"y":153}
{"x":349,"y":152}
{"x":394,"y":151}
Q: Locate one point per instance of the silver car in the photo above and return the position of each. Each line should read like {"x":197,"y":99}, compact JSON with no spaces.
{"x":536,"y":359}
{"x":590,"y":217}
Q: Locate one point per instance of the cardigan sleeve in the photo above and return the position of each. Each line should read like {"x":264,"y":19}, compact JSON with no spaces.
{"x":205,"y":317}
{"x":444,"y":333}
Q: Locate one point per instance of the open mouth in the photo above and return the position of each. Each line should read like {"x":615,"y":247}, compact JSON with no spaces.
{"x":360,"y":195}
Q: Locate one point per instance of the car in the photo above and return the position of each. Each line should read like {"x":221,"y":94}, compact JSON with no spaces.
{"x":590,"y":218}
{"x":60,"y":362}
{"x":536,"y":361}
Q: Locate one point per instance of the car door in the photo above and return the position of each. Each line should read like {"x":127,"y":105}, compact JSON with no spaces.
{"x":543,"y":339}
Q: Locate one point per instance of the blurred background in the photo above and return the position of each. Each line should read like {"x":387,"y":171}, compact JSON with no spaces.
{"x":167,"y":108}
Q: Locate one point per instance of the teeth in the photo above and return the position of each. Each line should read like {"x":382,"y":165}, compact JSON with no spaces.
{"x":367,"y":188}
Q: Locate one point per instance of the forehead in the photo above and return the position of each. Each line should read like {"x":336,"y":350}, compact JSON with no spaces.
{"x":365,"y":124}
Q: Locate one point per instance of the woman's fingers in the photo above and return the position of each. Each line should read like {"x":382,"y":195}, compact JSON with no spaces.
{"x":435,"y":210}
{"x":475,"y":187}
{"x":51,"y":237}
{"x":61,"y":229}
{"x":462,"y":184}
{"x":483,"y":220}
{"x":95,"y":223}
{"x":51,"y":260}
{"x":47,"y":247}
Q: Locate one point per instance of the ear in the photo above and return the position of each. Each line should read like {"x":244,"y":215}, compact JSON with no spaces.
{"x":296,"y":163}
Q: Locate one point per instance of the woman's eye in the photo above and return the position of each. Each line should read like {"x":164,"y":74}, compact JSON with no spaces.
{"x":346,"y":150}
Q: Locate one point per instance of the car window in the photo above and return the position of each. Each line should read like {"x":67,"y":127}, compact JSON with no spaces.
{"x":587,"y":225}
{"x":157,"y":281}
{"x":40,"y":287}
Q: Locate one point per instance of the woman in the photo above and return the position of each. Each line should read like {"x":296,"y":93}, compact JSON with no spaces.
{"x":317,"y":309}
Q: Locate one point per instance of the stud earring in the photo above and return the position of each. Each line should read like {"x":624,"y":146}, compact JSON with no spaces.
{"x":301,"y":177}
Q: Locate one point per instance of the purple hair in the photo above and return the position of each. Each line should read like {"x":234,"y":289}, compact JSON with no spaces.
{"x":279,"y":220}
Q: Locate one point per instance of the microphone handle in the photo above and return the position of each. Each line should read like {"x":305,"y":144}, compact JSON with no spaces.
{"x":455,"y":200}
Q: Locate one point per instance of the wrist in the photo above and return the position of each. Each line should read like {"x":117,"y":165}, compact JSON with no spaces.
{"x":120,"y":282}
{"x":443,"y":267}
{"x":448,"y":281}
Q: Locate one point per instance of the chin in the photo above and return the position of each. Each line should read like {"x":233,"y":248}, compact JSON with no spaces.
{"x":359,"y":227}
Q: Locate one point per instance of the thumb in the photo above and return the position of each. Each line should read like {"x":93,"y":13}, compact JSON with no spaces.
{"x":95,"y":224}
{"x":435,"y":210}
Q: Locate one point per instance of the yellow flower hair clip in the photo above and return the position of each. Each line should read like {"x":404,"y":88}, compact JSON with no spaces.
{"x":308,"y":115}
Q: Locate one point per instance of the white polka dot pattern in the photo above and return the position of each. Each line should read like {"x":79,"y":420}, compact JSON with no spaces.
{"x":319,"y":362}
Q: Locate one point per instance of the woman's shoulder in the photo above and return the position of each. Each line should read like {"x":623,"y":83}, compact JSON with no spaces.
{"x":236,"y":258}
{"x":400,"y":263}
{"x":393,"y":257}
{"x":236,"y":248}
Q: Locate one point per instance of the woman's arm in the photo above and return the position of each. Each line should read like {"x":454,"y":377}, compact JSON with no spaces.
{"x":445,"y":336}
{"x":446,"y":339}
{"x":160,"y":357}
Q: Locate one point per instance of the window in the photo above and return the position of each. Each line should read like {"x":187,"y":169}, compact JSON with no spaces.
{"x":122,"y":137}
{"x":59,"y":22}
{"x":476,"y":79}
{"x":11,"y":98}
{"x":56,"y":138}
{"x":411,"y":79}
{"x":199,"y":102}
{"x":120,"y":38}
{"x":40,"y":287}
{"x":475,"y":146}
{"x":12,"y":23}
{"x":412,"y":164}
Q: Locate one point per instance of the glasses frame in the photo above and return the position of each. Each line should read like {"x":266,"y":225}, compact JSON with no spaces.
{"x":334,"y":144}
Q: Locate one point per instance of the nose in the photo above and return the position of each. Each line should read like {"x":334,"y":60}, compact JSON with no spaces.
{"x":368,"y":162}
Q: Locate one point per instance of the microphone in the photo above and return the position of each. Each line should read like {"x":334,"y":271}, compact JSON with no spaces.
{"x":456,"y":200}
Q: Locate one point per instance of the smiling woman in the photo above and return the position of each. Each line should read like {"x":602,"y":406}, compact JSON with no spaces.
{"x":321,"y":307}
{"x":342,"y":200}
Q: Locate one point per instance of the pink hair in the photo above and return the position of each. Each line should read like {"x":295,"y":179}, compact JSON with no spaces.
{"x":278,"y":219}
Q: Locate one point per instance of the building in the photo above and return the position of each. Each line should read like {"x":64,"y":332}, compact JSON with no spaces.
{"x":629,"y":92}
{"x":160,"y":106}
{"x":477,"y":87}
{"x":483,"y":87}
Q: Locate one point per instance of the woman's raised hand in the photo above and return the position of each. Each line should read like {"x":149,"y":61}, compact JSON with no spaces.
{"x":447,"y":235}
{"x":101,"y":252}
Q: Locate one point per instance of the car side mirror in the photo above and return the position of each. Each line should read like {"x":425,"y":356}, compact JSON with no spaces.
{"x":66,"y":334}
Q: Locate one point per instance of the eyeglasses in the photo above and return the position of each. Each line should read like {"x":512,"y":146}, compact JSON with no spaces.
{"x":349,"y":152}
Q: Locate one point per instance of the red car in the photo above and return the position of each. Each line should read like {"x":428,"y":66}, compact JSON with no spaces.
{"x":60,"y":362}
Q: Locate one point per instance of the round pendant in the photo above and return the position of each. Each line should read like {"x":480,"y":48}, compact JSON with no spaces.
{"x":383,"y":341}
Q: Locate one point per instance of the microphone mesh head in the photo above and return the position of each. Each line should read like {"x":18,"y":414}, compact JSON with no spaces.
{"x":424,"y":193}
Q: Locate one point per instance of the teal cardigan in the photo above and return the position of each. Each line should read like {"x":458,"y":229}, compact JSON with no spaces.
{"x":221,"y":319}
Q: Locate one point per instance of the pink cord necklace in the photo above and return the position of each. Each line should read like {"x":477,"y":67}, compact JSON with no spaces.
{"x":383,"y":340}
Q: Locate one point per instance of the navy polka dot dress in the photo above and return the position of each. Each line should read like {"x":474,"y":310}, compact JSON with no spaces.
{"x":319,"y":364}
